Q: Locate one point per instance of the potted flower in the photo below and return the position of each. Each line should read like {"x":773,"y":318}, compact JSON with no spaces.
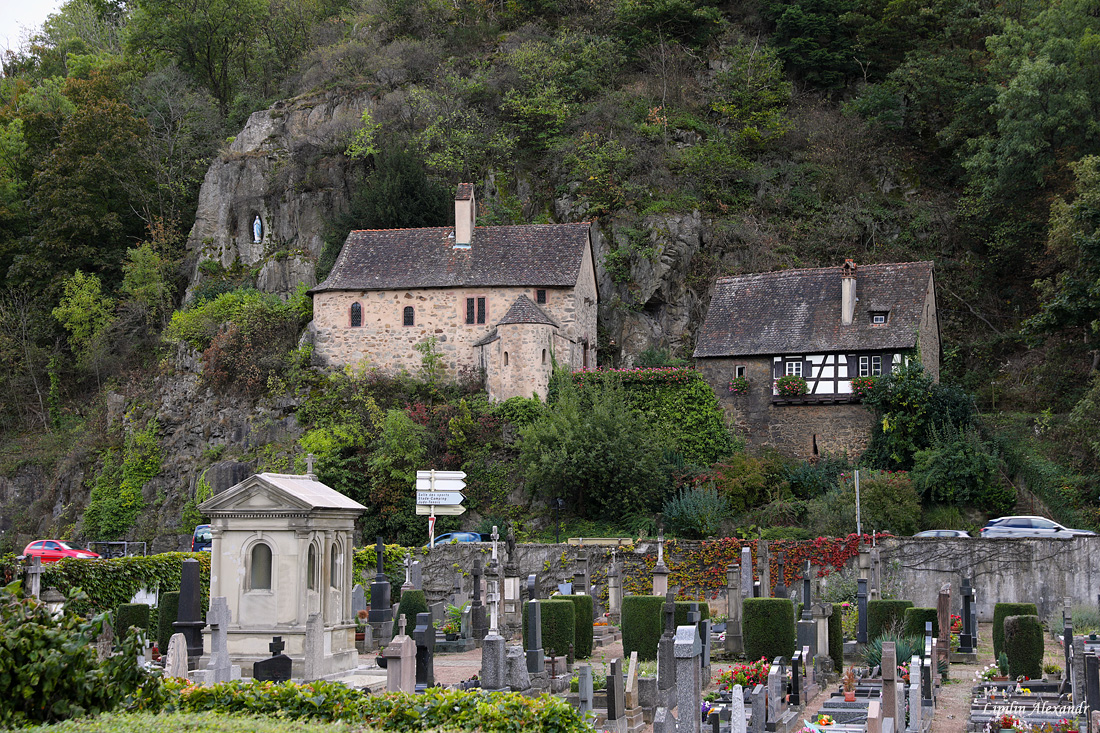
{"x":361,"y":625}
{"x":850,"y":685}
{"x":1007,"y":723}
{"x":450,"y":630}
{"x":824,"y":720}
{"x":1052,"y":672}
{"x":790,"y":385}
{"x":739,"y":386}
{"x":862,"y":387}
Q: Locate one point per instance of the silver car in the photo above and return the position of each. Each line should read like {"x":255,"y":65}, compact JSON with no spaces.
{"x":1027,"y":526}
{"x":942,"y":533}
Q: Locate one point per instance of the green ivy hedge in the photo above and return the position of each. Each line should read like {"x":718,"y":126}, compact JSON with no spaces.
{"x":1001,"y":611}
{"x":168,"y":612}
{"x":682,"y":608}
{"x":131,"y":614}
{"x":436,"y":709}
{"x":1023,"y":643}
{"x":583,"y":615}
{"x":111,"y":583}
{"x":412,"y":603}
{"x":768,"y":628}
{"x":882,"y":616}
{"x":365,"y":566}
{"x":914,"y":620}
{"x":836,"y":639}
{"x":641,"y":625}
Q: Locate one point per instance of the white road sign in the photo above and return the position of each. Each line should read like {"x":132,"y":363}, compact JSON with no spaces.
{"x":445,"y":510}
{"x":440,"y":480}
{"x":439,"y":497}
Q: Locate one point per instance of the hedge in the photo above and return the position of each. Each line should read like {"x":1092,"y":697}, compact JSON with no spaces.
{"x":111,"y":583}
{"x":364,"y":566}
{"x":555,"y":637}
{"x":883,"y":616}
{"x":584,"y":612}
{"x":916,"y":618}
{"x":1001,"y":611}
{"x":642,"y":625}
{"x":167,"y":612}
{"x":189,"y":723}
{"x":412,"y":603}
{"x":836,"y":638}
{"x":131,"y":614}
{"x":768,"y":628}
{"x":682,"y":608}
{"x":1023,"y":643}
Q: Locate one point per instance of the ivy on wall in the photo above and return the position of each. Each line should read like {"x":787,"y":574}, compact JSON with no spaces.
{"x":110,"y":583}
{"x":116,"y":500}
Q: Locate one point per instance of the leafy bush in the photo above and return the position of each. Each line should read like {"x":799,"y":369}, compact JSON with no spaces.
{"x":167,"y":612}
{"x":746,"y":480}
{"x":189,"y":723}
{"x":808,"y":480}
{"x":49,"y":665}
{"x":131,"y":614}
{"x":888,"y":501}
{"x":697,"y":512}
{"x":412,"y":602}
{"x":904,"y":648}
{"x":885,"y":616}
{"x":584,"y":614}
{"x":957,"y":469}
{"x":1001,"y":611}
{"x":116,"y":498}
{"x":1023,"y":643}
{"x":915,"y":619}
{"x":520,"y":411}
{"x":768,"y":628}
{"x":642,"y":625}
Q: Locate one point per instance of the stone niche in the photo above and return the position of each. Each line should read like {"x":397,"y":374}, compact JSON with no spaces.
{"x":282,"y":558}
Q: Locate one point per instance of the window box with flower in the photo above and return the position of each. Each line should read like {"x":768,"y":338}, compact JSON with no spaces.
{"x":739,"y":386}
{"x":790,"y":385}
{"x":862,"y":387}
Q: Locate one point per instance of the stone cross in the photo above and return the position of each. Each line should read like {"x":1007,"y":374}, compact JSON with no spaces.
{"x":408,"y":573}
{"x":402,"y":622}
{"x":614,"y":588}
{"x":966,"y":638}
{"x":734,"y":643}
{"x":34,"y":576}
{"x":218,"y":669}
{"x":277,"y":668}
{"x":807,"y":599}
{"x":309,"y":464}
{"x":496,"y":538}
{"x":737,"y":710}
{"x":584,"y":688}
{"x":380,"y":556}
{"x":660,"y":547}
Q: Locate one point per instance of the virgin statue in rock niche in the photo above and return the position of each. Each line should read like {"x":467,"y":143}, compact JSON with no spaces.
{"x":257,"y":230}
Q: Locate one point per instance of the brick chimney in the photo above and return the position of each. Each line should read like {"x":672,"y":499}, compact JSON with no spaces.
{"x":848,"y":293}
{"x":465,"y":215}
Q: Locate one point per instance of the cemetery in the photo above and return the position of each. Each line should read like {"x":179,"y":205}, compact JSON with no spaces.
{"x":728,"y":637}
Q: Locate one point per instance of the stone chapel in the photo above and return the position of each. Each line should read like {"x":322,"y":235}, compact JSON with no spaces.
{"x":505,"y":302}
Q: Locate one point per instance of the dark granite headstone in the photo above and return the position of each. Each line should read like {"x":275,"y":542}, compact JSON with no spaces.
{"x":275,"y":669}
{"x":966,"y":638}
{"x":425,"y":652}
{"x":380,"y":607}
{"x":189,"y":621}
{"x":861,"y":608}
{"x":780,"y":583}
{"x":535,"y":657}
{"x":479,"y":620}
{"x":616,"y":694}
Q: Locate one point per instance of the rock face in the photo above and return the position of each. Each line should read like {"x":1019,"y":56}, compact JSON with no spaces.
{"x":286,"y":167}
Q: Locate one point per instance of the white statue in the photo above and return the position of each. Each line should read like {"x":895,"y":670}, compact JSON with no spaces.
{"x":257,"y":230}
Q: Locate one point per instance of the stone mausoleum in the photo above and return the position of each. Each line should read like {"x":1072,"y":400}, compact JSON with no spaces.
{"x":282,"y":558}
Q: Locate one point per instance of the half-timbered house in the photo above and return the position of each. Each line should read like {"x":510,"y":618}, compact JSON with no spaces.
{"x":826,"y":325}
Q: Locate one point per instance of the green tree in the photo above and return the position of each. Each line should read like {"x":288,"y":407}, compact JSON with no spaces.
{"x":753,"y":92}
{"x":400,"y":452}
{"x":814,"y":39}
{"x":86,"y":314}
{"x":593,"y":450}
{"x":146,"y":283}
{"x":958,"y":469}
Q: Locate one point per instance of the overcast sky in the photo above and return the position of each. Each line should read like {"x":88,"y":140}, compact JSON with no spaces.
{"x":17,"y":17}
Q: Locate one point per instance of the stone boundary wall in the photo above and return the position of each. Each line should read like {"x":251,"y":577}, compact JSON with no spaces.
{"x":1040,"y":571}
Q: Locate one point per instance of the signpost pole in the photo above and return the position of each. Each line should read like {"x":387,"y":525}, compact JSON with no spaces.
{"x":431,"y":517}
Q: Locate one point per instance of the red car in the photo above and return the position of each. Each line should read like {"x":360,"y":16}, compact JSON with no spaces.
{"x":54,"y":550}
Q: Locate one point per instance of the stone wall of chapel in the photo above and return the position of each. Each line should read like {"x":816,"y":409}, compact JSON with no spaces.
{"x":383,"y":341}
{"x":583,"y":304}
{"x":527,"y":369}
{"x":791,"y":429}
{"x":929,"y":333}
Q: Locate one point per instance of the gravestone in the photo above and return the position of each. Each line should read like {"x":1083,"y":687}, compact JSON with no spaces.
{"x":630,"y":693}
{"x":780,"y":580}
{"x":536,"y":661}
{"x":34,"y":576}
{"x":734,"y":643}
{"x":416,"y":575}
{"x":797,"y":689}
{"x":943,"y":618}
{"x":807,"y":598}
{"x":916,"y":709}
{"x":889,"y":680}
{"x":614,"y":590}
{"x":967,"y":641}
{"x":746,"y":573}
{"x":660,"y":570}
{"x":584,"y":688}
{"x":424,"y":635}
{"x":175,"y":661}
{"x":277,"y":668}
{"x":758,"y":699}
{"x":478,"y":621}
{"x":861,"y":608}
{"x":616,"y":703}
{"x":218,"y":668}
{"x":189,"y":617}
{"x":105,"y":642}
{"x":401,"y":661}
{"x":516,"y":676}
{"x":666,"y":648}
{"x":663,"y":722}
{"x":438,"y":612}
{"x":380,"y":616}
{"x":704,"y":659}
{"x":688,"y":678}
{"x":737,"y":710}
{"x":874,"y":717}
{"x":1092,"y":681}
{"x":459,"y":596}
{"x":580,"y":574}
{"x":777,"y":687}
{"x":764,"y":560}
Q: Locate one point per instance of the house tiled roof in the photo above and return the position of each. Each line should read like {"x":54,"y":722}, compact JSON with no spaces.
{"x":799,"y":311}
{"x":525,"y":311}
{"x":527,"y":255}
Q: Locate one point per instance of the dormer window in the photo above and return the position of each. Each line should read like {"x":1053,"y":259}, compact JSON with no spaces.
{"x":878,"y":317}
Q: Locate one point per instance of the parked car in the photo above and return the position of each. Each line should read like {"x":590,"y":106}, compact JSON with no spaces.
{"x":1027,"y":526}
{"x":54,"y":550}
{"x":942,"y":533}
{"x":457,"y":537}
{"x":203,"y":539}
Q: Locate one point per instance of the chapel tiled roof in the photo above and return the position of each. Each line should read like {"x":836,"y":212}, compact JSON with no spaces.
{"x":798,"y":311}
{"x":525,"y":311}
{"x":526,"y":255}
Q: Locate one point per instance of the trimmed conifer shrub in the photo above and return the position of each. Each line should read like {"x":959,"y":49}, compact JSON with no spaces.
{"x":1023,"y":643}
{"x":559,"y":626}
{"x":641,"y":625}
{"x":583,"y":617}
{"x":167,"y":612}
{"x":412,"y":603}
{"x":682,"y":608}
{"x":914,"y":620}
{"x":836,"y":639}
{"x":131,"y":614}
{"x":1001,"y":611}
{"x":768,"y":628}
{"x":884,"y":616}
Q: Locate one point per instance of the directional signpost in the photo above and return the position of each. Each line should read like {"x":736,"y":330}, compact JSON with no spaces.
{"x":439,"y":493}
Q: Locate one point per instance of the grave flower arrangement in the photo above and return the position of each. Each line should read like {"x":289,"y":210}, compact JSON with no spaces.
{"x":739,"y":385}
{"x":748,"y":674}
{"x":1065,"y":725}
{"x":790,"y":386}
{"x":824,"y":720}
{"x":987,"y":673}
{"x":1007,"y":722}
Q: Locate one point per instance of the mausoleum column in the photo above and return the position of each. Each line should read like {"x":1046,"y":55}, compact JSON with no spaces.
{"x":303,"y":582}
